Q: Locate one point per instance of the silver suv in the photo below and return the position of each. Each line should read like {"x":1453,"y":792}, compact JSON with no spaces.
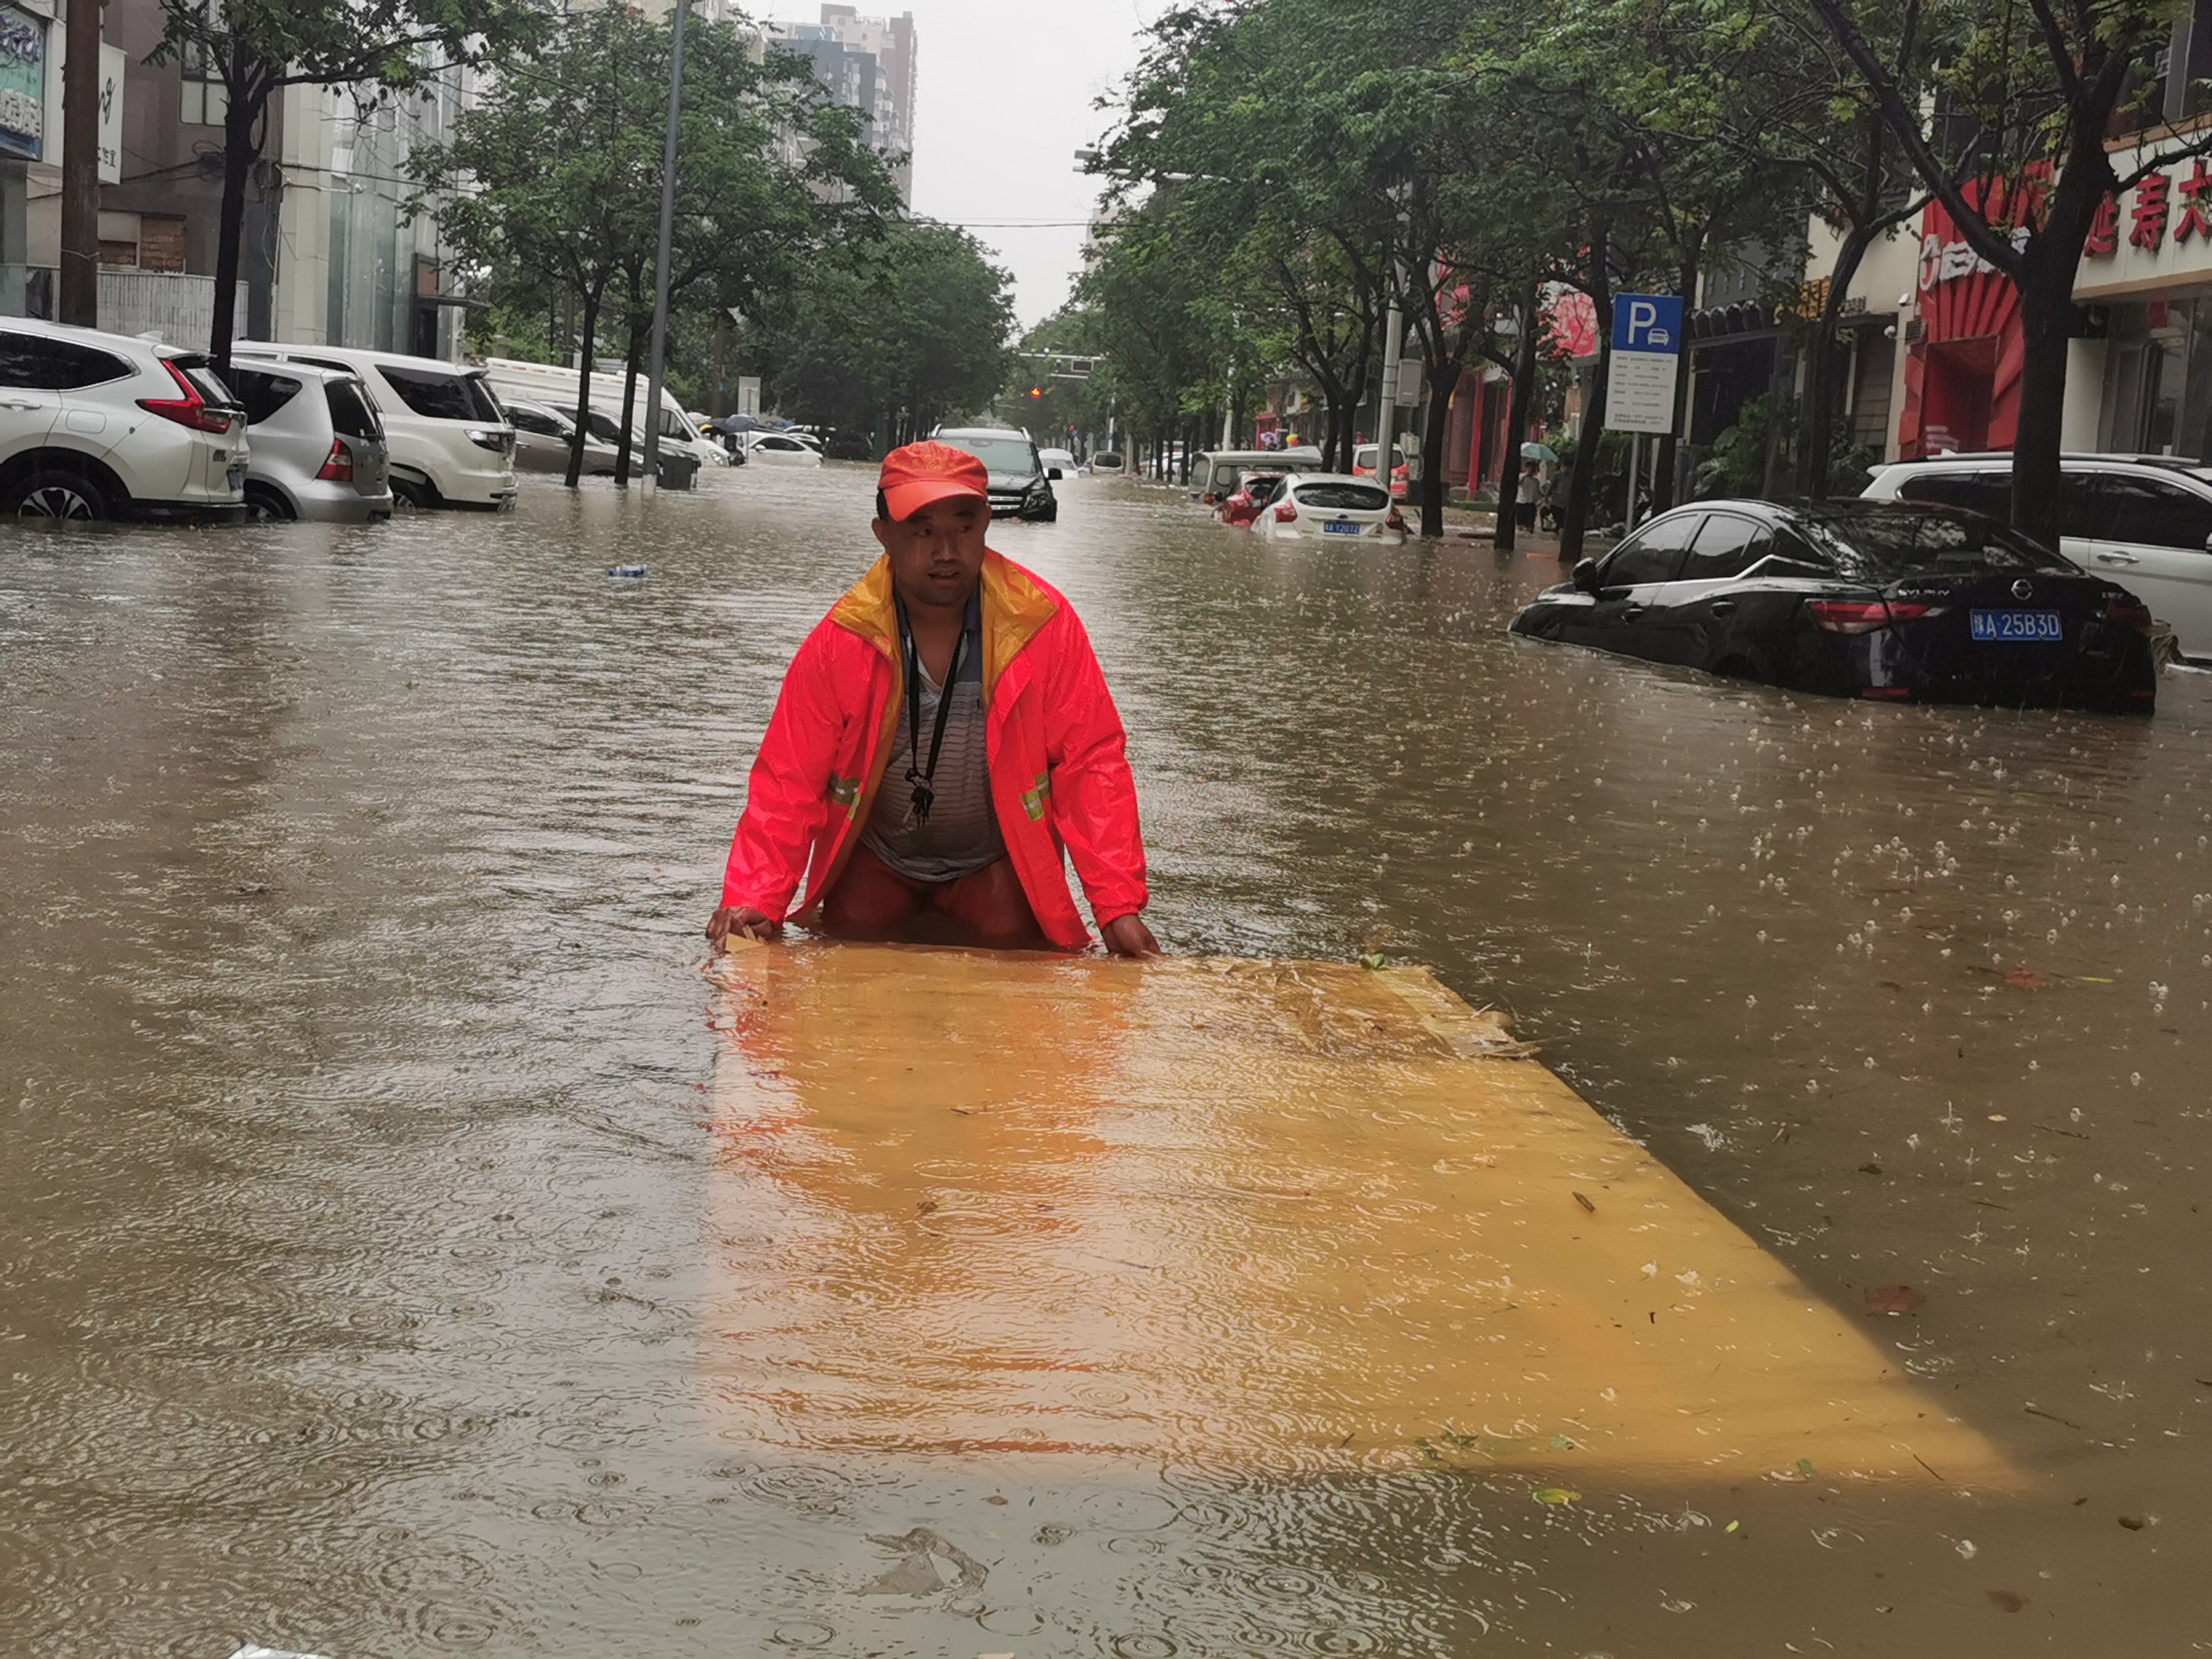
{"x":101,"y":426}
{"x":318,"y":446}
{"x":450,"y":442}
{"x":2144,"y":521}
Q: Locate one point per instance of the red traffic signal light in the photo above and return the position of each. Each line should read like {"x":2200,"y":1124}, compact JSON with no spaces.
{"x":1035,"y":392}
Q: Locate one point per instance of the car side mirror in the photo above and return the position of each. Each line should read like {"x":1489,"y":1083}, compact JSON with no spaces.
{"x":1585,"y":576}
{"x":1052,"y":472}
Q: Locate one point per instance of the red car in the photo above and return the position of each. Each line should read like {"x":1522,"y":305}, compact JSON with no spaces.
{"x":1239,"y":509}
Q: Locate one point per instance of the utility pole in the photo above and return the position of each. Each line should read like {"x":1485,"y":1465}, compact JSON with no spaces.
{"x":1385,"y":411}
{"x":660,"y":270}
{"x":80,"y":292}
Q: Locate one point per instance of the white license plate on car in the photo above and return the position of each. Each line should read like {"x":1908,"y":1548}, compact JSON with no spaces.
{"x":1339,"y":528}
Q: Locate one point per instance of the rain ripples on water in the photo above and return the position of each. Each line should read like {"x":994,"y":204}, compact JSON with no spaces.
{"x":359,"y":1260}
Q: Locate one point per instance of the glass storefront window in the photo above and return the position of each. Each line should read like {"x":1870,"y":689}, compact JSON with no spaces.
{"x":2157,"y":380}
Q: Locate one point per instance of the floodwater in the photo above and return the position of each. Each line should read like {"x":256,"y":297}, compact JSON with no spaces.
{"x":388,"y":1266}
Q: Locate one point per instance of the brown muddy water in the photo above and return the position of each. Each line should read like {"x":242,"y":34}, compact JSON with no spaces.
{"x":370,"y":1274}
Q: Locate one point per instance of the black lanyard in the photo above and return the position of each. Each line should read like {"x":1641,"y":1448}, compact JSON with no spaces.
{"x":916,"y":775}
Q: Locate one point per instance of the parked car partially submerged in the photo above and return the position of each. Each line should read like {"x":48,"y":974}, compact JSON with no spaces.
{"x":317,"y":444}
{"x":449,"y":441}
{"x":1877,"y":599}
{"x":109,"y":426}
{"x":1241,"y":506}
{"x":1329,"y":506}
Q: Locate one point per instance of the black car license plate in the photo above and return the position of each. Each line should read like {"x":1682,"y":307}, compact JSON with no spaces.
{"x":2017,"y":626}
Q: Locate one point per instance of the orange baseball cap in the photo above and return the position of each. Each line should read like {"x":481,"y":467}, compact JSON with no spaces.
{"x":921,"y":473}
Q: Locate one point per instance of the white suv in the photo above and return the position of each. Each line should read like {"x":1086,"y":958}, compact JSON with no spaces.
{"x":451,"y":443}
{"x":104,"y":426}
{"x":2144,"y":521}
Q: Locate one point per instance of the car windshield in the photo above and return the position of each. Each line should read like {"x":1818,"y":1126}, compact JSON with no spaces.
{"x":1884,"y":546}
{"x":999,"y":454}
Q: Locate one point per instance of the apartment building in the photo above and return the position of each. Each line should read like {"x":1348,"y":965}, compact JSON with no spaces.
{"x":868,"y":64}
{"x":329,"y":253}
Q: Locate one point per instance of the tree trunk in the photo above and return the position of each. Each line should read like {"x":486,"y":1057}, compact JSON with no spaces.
{"x":2046,"y":314}
{"x":629,"y":402}
{"x":238,"y":158}
{"x":1820,"y":397}
{"x":589,"y":331}
{"x":79,"y":299}
{"x":1686,"y":278}
{"x":1516,"y":415}
{"x":1585,"y":477}
{"x":1443,"y":380}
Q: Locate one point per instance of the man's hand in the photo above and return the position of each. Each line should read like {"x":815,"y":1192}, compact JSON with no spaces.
{"x":745,"y":921}
{"x":1128,"y":936}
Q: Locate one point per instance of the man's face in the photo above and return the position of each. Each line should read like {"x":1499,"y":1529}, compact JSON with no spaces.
{"x":937,"y":551}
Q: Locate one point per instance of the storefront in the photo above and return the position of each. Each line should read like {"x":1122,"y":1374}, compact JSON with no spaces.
{"x":1963,"y":351}
{"x":2147,"y":266}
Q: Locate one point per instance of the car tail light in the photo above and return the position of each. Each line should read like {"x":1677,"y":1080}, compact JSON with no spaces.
{"x":337,"y":465}
{"x":500,"y":440}
{"x":2126,"y":610}
{"x":191,"y":409}
{"x":1285,"y":513}
{"x":1397,"y":521}
{"x":1862,"y":616}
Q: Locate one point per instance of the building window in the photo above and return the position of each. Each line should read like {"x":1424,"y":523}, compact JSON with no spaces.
{"x":206,"y":99}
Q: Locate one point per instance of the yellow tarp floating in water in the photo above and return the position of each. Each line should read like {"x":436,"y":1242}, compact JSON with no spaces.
{"x":1251,"y":1214}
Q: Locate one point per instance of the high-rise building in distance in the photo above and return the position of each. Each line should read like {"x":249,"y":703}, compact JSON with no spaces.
{"x":866,"y":64}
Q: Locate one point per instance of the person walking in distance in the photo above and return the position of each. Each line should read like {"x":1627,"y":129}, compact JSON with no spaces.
{"x":943,"y":739}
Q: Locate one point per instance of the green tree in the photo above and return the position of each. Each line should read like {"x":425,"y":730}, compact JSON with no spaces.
{"x":255,"y":48}
{"x":2028,"y":97}
{"x":892,"y":336}
{"x":562,"y":164}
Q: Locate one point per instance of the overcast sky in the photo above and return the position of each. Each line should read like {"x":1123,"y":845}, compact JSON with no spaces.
{"x":1005,"y":99}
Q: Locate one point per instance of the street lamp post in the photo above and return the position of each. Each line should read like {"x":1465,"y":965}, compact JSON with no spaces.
{"x":660,"y":270}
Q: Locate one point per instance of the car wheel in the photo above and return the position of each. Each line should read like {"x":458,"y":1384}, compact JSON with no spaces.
{"x":266,"y":506}
{"x":409,"y":496}
{"x":1739,"y":668}
{"x":54,"y":494}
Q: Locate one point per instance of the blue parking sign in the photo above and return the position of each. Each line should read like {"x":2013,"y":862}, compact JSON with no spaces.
{"x":1647,"y":322}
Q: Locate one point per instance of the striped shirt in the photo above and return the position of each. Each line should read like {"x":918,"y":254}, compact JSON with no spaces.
{"x":961,"y":834}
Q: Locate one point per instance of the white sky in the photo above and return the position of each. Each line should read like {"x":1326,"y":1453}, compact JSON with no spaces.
{"x":1005,"y":101}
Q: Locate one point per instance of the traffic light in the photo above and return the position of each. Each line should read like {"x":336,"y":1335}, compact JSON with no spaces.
{"x":1037,"y":392}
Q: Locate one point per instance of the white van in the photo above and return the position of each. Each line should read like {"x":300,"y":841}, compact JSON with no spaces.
{"x":451,"y":443}
{"x":2144,"y":521}
{"x":1217,"y":473}
{"x":551,"y":384}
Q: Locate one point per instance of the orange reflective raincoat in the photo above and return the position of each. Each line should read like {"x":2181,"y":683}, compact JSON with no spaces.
{"x":1060,"y":776}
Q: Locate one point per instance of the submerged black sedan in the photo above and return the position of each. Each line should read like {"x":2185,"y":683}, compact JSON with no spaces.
{"x":1899,"y":601}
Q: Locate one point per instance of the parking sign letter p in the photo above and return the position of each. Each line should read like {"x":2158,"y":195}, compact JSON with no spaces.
{"x":1642,"y":314}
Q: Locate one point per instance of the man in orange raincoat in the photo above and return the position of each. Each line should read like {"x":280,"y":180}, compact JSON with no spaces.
{"x":943,"y":736}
